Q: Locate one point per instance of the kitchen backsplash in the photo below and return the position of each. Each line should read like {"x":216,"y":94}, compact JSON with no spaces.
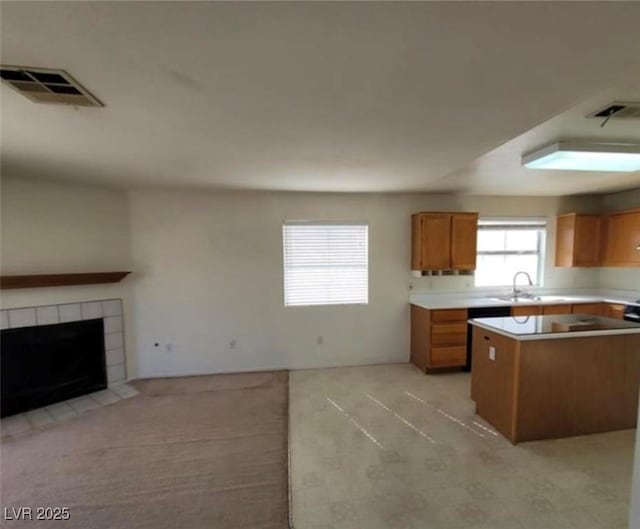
{"x":554,"y":279}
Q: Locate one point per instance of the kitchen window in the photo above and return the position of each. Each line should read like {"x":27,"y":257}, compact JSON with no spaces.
{"x":507,"y":246}
{"x":325,"y":263}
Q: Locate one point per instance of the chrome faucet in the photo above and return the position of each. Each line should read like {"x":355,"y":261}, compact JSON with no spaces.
{"x":517,"y":292}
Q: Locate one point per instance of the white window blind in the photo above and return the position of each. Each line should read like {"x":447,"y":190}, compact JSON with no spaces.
{"x":507,"y":246}
{"x":325,"y":263}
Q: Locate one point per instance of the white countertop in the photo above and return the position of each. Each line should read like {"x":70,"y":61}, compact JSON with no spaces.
{"x":525,"y":328}
{"x":461,"y":300}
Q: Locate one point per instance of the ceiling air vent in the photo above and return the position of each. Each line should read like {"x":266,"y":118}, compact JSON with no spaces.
{"x":618,"y":110}
{"x":48,"y":86}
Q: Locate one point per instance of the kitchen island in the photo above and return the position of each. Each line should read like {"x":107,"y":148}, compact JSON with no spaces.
{"x":542,"y":377}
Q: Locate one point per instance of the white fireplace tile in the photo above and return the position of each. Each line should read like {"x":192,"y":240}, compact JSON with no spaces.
{"x":61,"y":411}
{"x":112,"y":307}
{"x":4,"y":321}
{"x":115,"y":356}
{"x":124,"y":391}
{"x":115,"y":373}
{"x":113,"y":340}
{"x":82,"y":404}
{"x":22,"y":317}
{"x":105,"y":397}
{"x":113,"y":324}
{"x":16,"y":424}
{"x":91,"y":310}
{"x":39,"y":417}
{"x":70,"y":312}
{"x":47,"y":315}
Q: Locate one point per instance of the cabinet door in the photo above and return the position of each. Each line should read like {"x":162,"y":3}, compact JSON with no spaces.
{"x":450,"y":356}
{"x":586,"y":248}
{"x":615,"y":311}
{"x":556,"y":309}
{"x":435,"y":241}
{"x":595,"y":309}
{"x":578,"y":240}
{"x":565,"y":237}
{"x":623,"y":239}
{"x":464,"y":236}
{"x":526,"y":310}
{"x":454,"y":315}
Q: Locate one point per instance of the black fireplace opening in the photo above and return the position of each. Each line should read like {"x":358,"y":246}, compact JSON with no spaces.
{"x":49,"y":363}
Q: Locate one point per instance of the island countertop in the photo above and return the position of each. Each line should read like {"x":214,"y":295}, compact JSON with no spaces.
{"x":555,"y":326}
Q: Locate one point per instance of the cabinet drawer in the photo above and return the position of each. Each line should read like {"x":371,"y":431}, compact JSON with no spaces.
{"x":448,"y":339}
{"x":556,"y":309}
{"x":448,"y":356}
{"x":449,"y":328}
{"x":588,"y":308}
{"x":526,"y":310}
{"x":449,"y":315}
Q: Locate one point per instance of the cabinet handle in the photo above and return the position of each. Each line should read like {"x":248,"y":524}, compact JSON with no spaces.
{"x":487,"y":338}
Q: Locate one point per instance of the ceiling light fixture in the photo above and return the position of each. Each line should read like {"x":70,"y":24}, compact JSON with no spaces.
{"x":581,"y":156}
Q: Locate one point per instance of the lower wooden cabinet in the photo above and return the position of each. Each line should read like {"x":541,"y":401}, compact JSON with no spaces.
{"x":613,"y":310}
{"x":556,"y":309}
{"x":526,"y":310}
{"x":455,"y":356}
{"x":595,"y":309}
{"x":438,"y":338}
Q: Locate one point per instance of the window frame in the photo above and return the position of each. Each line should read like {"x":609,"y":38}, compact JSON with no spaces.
{"x":314,"y":222}
{"x":516,"y":223}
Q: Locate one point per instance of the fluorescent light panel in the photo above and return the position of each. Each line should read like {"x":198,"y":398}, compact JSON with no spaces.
{"x":575,"y":156}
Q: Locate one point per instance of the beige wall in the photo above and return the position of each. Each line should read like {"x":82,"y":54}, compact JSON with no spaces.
{"x":209,"y":272}
{"x":54,"y":227}
{"x":62,"y":227}
{"x":208,"y":268}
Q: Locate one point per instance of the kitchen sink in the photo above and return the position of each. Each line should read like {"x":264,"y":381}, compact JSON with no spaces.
{"x":533,"y":299}
{"x":551,"y":298}
{"x":511,"y":299}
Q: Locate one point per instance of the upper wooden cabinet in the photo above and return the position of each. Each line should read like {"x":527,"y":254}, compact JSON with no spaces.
{"x":464,"y":238}
{"x":431,"y":241}
{"x":622,"y":239}
{"x":444,"y":241}
{"x":598,"y":240}
{"x":578,"y":240}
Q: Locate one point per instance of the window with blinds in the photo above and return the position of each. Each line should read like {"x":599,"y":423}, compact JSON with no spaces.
{"x":507,"y":246}
{"x":325,"y":263}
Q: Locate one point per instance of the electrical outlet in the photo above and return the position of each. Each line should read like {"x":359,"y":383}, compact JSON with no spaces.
{"x":320,"y":340}
{"x":169,"y":348}
{"x":232,"y":344}
{"x":492,"y":353}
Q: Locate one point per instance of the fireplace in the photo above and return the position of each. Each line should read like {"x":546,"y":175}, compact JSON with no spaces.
{"x":44,"y":364}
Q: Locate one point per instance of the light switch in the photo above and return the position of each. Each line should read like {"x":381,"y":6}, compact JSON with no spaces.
{"x":492,"y":352}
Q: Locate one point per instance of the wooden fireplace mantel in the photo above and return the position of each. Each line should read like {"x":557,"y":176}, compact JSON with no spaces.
{"x":60,"y":280}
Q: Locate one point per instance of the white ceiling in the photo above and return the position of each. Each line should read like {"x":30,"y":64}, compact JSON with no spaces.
{"x":320,"y":96}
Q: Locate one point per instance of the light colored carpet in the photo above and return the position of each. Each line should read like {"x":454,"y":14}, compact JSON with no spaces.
{"x":194,"y":452}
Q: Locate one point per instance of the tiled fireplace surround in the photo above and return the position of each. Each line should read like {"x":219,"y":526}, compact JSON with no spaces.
{"x":109,"y":309}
